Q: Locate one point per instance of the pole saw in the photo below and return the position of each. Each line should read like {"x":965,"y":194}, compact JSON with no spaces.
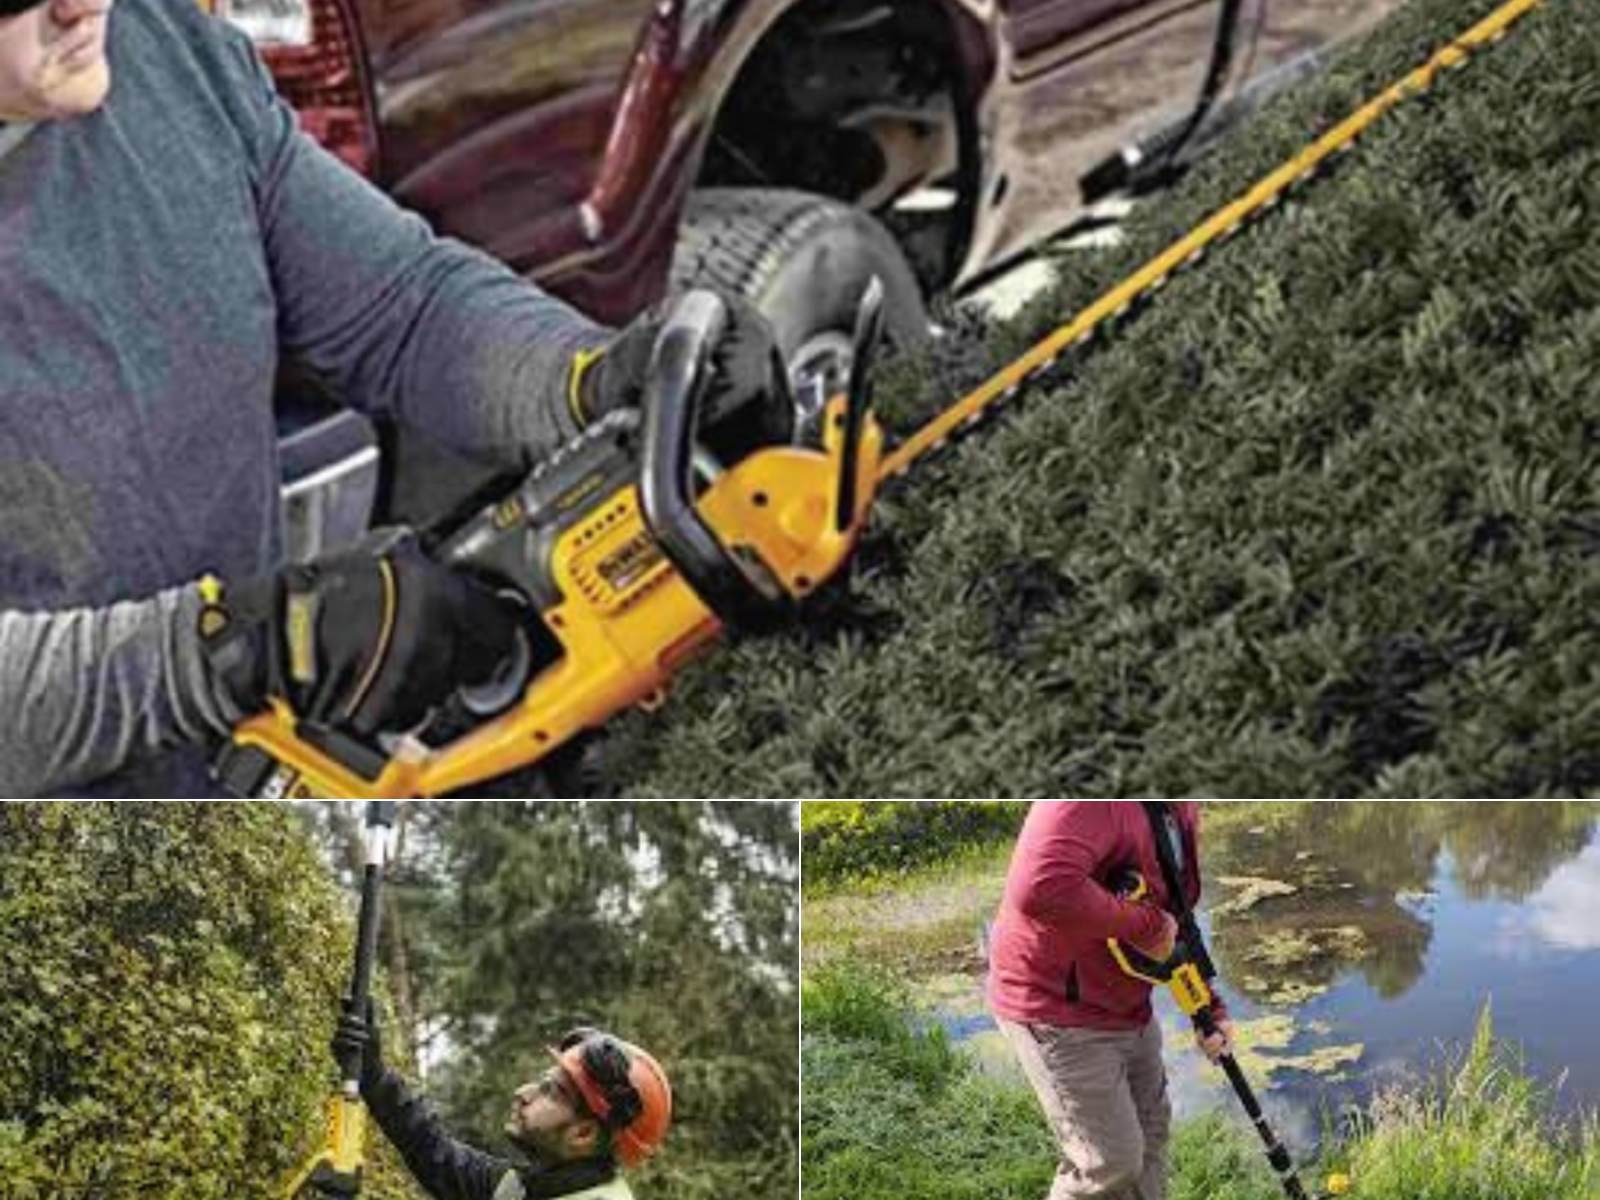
{"x":1188,"y":973}
{"x":335,"y":1170}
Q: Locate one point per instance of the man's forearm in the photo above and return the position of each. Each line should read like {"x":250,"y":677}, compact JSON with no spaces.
{"x":427,"y":329}
{"x":488,"y":364}
{"x":1073,"y":900}
{"x":446,"y":1168}
{"x":85,"y":690}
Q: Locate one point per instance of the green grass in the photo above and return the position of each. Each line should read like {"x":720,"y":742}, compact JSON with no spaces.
{"x":1480,"y":1135}
{"x":862,"y":1005}
{"x":1325,"y":520}
{"x":890,"y":1112}
{"x":919,"y":922}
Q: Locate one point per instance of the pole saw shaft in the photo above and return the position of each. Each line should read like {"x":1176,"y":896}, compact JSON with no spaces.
{"x":1189,"y":973}
{"x":380,"y":828}
{"x":1277,"y":1153}
{"x":338,"y":1165}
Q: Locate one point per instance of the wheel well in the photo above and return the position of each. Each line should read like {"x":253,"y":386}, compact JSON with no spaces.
{"x":858,"y":100}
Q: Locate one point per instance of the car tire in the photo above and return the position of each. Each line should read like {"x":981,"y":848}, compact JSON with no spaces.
{"x":803,"y":260}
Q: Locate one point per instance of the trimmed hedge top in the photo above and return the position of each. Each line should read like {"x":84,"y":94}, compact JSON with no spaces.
{"x":1325,"y":520}
{"x":167,"y":977}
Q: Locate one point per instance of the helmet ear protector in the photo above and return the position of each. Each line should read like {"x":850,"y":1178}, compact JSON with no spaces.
{"x":606,"y":1064}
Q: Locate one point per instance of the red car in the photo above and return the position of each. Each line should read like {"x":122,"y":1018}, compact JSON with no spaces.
{"x":612,"y":150}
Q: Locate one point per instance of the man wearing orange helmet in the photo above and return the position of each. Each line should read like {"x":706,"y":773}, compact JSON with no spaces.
{"x":603,"y":1105}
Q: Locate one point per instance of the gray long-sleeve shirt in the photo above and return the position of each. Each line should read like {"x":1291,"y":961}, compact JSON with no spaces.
{"x":155,"y":258}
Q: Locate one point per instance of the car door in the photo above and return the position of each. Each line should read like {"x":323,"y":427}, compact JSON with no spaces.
{"x":1082,"y":79}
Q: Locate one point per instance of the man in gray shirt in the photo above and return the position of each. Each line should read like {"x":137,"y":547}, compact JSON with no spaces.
{"x":165,"y":232}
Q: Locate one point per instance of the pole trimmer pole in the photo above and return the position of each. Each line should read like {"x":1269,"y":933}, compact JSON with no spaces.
{"x":336,"y":1169}
{"x":1189,"y":973}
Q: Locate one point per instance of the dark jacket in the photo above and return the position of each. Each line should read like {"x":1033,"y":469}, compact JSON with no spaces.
{"x":452,"y":1170}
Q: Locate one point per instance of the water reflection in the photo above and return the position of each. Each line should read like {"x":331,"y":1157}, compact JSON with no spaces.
{"x":1353,"y":885}
{"x":1362,"y":940}
{"x":1565,"y":912}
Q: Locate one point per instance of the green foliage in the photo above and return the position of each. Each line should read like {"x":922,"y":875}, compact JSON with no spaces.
{"x":167,"y":977}
{"x":852,"y":1002}
{"x":877,"y":1126}
{"x":851,"y":839}
{"x":1482,"y":1134}
{"x":1324,"y":520}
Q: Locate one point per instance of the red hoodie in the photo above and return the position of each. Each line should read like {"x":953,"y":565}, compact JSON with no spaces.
{"x":1048,"y":962}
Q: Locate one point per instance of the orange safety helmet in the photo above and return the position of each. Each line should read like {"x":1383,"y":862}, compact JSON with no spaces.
{"x":623,"y":1086}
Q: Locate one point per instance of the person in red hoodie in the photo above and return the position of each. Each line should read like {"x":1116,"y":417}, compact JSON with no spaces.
{"x":1084,"y":1032}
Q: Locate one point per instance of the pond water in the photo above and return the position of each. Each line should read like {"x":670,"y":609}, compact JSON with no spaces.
{"x":1358,"y":944}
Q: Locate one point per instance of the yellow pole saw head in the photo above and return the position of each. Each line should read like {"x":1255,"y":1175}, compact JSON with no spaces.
{"x":1180,"y":972}
{"x":627,"y":559}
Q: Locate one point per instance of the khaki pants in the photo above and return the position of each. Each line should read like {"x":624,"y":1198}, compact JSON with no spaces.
{"x":1105,"y":1093}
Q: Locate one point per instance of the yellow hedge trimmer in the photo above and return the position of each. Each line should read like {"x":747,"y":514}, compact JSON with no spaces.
{"x":627,"y":562}
{"x":630,"y":567}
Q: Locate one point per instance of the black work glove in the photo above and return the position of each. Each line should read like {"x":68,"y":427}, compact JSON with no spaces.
{"x":747,"y":404}
{"x":368,"y":640}
{"x":359,"y":1038}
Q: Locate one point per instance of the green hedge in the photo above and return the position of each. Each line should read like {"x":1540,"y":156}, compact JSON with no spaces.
{"x":850,"y":839}
{"x":167,"y":977}
{"x":1325,"y":520}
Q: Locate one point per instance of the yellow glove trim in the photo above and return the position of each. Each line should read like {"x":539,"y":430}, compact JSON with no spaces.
{"x":582,"y":360}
